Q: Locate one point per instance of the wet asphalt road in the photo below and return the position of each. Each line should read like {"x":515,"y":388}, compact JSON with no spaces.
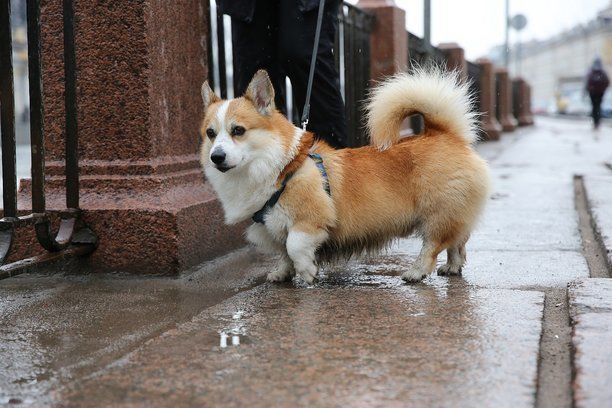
{"x":220,"y":336}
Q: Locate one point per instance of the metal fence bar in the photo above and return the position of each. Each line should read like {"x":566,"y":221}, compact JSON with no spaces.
{"x":221,"y":54}
{"x":363,"y":36}
{"x":7,"y":114}
{"x":209,"y":47}
{"x":356,"y":28}
{"x":36,"y":107}
{"x":349,"y":75}
{"x":474,"y":72}
{"x":70,"y":103}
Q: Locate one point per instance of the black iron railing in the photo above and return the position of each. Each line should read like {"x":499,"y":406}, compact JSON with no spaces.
{"x":72,"y":238}
{"x":354,"y":30}
{"x":420,"y":53}
{"x":474,"y":71}
{"x":352,"y":51}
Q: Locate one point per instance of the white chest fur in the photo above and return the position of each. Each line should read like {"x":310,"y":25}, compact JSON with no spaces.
{"x":240,"y":195}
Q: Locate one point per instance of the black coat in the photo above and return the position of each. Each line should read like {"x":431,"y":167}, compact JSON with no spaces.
{"x":597,"y":82}
{"x":243,"y":9}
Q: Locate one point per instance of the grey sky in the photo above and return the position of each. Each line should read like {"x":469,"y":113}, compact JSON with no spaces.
{"x":477,"y":25}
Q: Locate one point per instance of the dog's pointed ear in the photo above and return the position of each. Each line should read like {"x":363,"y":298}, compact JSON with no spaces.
{"x":261,"y":93}
{"x":208,"y":95}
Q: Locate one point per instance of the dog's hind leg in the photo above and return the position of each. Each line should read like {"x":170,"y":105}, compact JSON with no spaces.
{"x":425,"y":262}
{"x":302,"y":244}
{"x":455,"y":260}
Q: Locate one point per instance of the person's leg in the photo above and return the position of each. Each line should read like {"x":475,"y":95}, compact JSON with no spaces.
{"x":597,"y":110}
{"x":594,"y":109}
{"x":296,"y":39}
{"x":255,"y":46}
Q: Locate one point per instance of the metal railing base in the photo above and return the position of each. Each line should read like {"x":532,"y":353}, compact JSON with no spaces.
{"x":46,"y":259}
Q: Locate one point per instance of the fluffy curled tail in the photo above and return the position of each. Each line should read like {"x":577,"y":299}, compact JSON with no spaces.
{"x":440,"y":96}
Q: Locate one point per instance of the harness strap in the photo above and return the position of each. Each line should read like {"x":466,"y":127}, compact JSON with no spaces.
{"x":259,"y":215}
{"x":319,"y":162}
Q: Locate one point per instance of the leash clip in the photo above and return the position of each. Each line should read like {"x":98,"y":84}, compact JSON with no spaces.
{"x":304,"y":123}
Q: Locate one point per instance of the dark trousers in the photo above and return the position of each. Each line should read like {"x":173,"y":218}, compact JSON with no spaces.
{"x":596,"y":112}
{"x":280,"y":40}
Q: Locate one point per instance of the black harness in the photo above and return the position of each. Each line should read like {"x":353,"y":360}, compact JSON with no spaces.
{"x":259,"y":215}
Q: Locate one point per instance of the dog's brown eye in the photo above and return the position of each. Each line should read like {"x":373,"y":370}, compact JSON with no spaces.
{"x":210,"y":133}
{"x":238,"y":131}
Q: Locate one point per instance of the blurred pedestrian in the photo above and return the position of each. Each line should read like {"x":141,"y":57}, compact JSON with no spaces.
{"x":278,"y":36}
{"x":597,"y":83}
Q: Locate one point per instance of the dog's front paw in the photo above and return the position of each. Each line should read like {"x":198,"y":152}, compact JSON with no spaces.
{"x":413,"y":275}
{"x":449,"y":270}
{"x":308,"y":274}
{"x":279,"y":275}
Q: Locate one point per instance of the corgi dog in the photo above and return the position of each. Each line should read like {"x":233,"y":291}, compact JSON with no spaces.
{"x":312,"y":203}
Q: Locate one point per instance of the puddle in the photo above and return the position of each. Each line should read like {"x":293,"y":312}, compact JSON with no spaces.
{"x":234,"y":333}
{"x":226,"y":340}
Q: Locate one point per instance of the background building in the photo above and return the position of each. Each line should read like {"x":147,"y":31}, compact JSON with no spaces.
{"x":556,"y":67}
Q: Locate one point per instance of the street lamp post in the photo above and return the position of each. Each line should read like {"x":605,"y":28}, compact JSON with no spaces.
{"x":427,"y":22}
{"x":507,"y":42}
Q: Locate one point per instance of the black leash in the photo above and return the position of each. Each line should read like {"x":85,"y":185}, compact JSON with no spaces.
{"x":259,"y":216}
{"x":313,"y":62}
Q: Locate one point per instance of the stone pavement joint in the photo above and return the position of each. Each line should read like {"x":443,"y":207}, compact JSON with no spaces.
{"x":554,"y":363}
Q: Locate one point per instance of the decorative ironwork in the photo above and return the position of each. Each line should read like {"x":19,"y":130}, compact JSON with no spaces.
{"x":68,"y":240}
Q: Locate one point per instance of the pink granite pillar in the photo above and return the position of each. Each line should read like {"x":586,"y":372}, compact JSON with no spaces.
{"x":388,"y":41}
{"x":140,"y":65}
{"x":455,"y":58}
{"x":528,"y":110}
{"x":520,"y":102}
{"x":504,"y":100}
{"x":490,"y":126}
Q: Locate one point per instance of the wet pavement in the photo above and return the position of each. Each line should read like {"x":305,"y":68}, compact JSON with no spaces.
{"x":218,"y":335}
{"x":591,"y":313}
{"x":384,"y":343}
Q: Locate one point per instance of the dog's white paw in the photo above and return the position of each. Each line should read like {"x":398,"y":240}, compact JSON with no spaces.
{"x":284,"y":271}
{"x":449,"y":270}
{"x":278,"y":276}
{"x":308,"y":274}
{"x":413,"y":275}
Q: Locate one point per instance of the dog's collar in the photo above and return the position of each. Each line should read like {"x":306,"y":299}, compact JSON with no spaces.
{"x":288,"y":172}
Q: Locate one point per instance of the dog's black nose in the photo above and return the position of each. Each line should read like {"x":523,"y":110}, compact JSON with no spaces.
{"x":218,"y":156}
